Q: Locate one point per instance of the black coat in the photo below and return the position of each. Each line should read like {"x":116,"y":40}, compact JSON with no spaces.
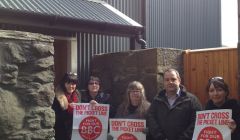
{"x":234,"y":106}
{"x":173,"y":123}
{"x":63,"y":122}
{"x":101,"y":98}
{"x":63,"y":119}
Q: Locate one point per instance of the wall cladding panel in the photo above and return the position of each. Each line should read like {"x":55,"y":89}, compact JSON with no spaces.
{"x":185,"y":24}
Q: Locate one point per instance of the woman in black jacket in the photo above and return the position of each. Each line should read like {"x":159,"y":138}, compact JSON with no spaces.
{"x":218,"y":92}
{"x":95,"y":95}
{"x":66,"y":96}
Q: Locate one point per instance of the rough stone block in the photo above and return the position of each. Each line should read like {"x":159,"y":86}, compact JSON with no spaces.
{"x":116,"y":70}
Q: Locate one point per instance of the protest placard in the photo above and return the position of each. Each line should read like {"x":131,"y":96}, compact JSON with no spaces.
{"x":127,"y":129}
{"x":90,"y":122}
{"x":212,"y":125}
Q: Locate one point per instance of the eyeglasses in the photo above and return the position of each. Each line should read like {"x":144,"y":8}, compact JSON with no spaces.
{"x":135,"y":91}
{"x":217,"y":78}
{"x":92,"y":83}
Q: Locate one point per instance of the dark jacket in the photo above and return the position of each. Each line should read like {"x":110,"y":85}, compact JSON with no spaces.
{"x":233,"y":105}
{"x":173,"y":123}
{"x":132,"y":112}
{"x":101,"y":98}
{"x":63,"y":115}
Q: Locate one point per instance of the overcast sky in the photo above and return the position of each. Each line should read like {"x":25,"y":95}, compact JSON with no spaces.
{"x":229,"y":22}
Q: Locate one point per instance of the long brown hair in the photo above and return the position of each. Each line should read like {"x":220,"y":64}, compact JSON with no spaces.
{"x":142,"y":107}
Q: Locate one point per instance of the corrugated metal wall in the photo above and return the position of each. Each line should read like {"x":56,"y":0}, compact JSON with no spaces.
{"x":91,"y":44}
{"x":184,"y":24}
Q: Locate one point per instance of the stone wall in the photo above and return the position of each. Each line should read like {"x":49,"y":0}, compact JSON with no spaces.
{"x":116,"y":70}
{"x":26,"y":86}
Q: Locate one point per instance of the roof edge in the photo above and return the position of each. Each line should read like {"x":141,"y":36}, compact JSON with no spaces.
{"x":69,"y":24}
{"x":119,"y":13}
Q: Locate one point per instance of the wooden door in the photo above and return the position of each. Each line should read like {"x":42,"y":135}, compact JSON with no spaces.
{"x":60,"y":60}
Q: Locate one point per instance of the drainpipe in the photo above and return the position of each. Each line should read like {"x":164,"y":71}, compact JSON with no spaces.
{"x":142,"y":42}
{"x":143,"y":12}
{"x":139,"y":40}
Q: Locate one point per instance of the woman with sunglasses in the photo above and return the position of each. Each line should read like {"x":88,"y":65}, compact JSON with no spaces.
{"x":218,"y":92}
{"x":66,"y":95}
{"x":94,"y":94}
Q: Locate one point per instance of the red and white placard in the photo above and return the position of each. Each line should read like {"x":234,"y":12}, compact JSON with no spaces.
{"x":127,"y":129}
{"x":212,"y":125}
{"x":90,"y":122}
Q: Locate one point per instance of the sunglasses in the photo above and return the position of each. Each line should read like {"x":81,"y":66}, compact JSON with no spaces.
{"x":217,"y":78}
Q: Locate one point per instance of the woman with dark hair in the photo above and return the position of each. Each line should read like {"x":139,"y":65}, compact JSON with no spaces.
{"x":218,"y":92}
{"x":66,"y":95}
{"x":94,"y":93}
{"x":135,"y":104}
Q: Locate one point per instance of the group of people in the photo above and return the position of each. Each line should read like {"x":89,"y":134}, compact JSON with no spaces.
{"x":170,"y":116}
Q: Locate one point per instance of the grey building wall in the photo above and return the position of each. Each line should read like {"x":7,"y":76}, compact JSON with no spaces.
{"x":183,"y":24}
